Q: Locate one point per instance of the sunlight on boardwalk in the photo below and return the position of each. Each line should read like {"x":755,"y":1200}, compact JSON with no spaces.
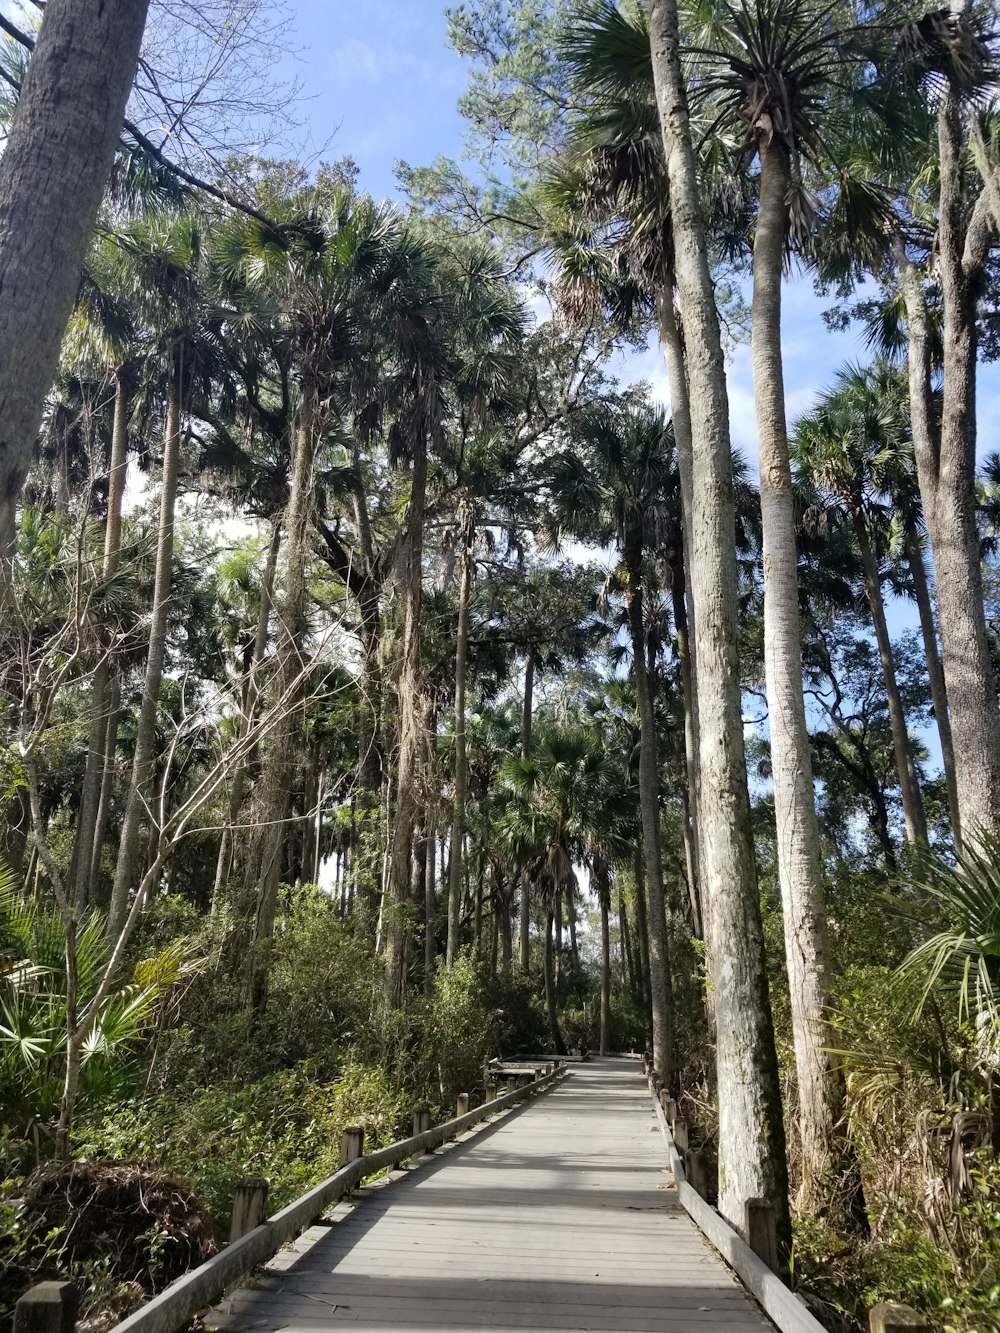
{"x":560,"y":1217}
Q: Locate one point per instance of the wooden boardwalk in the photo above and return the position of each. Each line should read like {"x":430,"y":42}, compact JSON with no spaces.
{"x":562,"y":1215}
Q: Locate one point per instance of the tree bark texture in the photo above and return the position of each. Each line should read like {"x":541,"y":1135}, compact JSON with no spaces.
{"x":685,"y":617}
{"x":913,"y":805}
{"x":751,"y":1133}
{"x":946,"y":472}
{"x":398,"y":925}
{"x":649,"y":808}
{"x":139,"y":802}
{"x":237,"y":789}
{"x":269,"y":838}
{"x":799,"y":869}
{"x":53,"y":172}
{"x":935,"y":671}
{"x":524,"y":903}
{"x":461,"y":757}
{"x":100,"y":690}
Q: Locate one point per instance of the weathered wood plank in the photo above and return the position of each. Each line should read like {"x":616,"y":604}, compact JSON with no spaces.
{"x":563,"y":1218}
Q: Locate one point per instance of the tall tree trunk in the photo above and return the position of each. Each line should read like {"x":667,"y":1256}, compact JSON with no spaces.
{"x":642,"y":937}
{"x":574,"y":952}
{"x":397,"y":925}
{"x":109,"y":749}
{"x":649,"y":807}
{"x":946,"y":467}
{"x":503,"y":909}
{"x":55,"y":164}
{"x":237,"y":789}
{"x":100,"y":692}
{"x":751,"y":1139}
{"x":690,"y":829}
{"x":524,"y":906}
{"x":551,"y":1007}
{"x":270,"y":837}
{"x":604,"y":898}
{"x":672,"y":343}
{"x":430,"y":910}
{"x":140,"y":790}
{"x":559,"y":936}
{"x":477,"y":928}
{"x":935,"y":672}
{"x":624,"y":947}
{"x":461,"y":754}
{"x":913,"y":806}
{"x":797,"y":831}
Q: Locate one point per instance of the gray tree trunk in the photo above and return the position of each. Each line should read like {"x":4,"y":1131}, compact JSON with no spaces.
{"x":935,"y":671}
{"x":100,"y":693}
{"x":524,"y":905}
{"x":110,"y":744}
{"x":751,"y":1139}
{"x":685,"y":616}
{"x":461,"y":757}
{"x":649,"y":808}
{"x":397,"y":924}
{"x":913,"y":805}
{"x":140,"y":789}
{"x":281,"y":755}
{"x":549,"y":979}
{"x":946,"y":466}
{"x":53,"y":172}
{"x":797,"y":831}
{"x":237,"y":789}
{"x":604,"y":897}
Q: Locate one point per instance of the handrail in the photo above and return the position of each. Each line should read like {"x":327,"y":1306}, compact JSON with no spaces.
{"x":179,"y":1302}
{"x":783,"y":1307}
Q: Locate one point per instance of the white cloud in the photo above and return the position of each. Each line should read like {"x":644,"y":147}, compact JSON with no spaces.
{"x":355,"y":62}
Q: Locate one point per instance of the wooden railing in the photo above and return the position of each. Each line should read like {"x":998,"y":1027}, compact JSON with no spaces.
{"x":754,"y":1255}
{"x":51,"y":1307}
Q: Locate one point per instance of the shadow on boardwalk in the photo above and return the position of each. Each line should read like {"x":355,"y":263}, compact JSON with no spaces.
{"x":560,"y":1216}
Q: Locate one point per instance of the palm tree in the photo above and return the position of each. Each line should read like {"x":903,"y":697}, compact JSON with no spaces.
{"x":751,"y":1150}
{"x":341,"y":277}
{"x":949,"y":54}
{"x":780,"y":74}
{"x":56,"y":161}
{"x":480,"y":322}
{"x":848,"y":446}
{"x":612,"y":486}
{"x":164,"y":255}
{"x":567,"y":808}
{"x":104,"y":332}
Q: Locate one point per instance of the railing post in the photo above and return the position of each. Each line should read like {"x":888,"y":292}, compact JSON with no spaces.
{"x":668,"y":1104}
{"x":49,"y":1307}
{"x":512,"y":1083}
{"x":491,"y":1090}
{"x":352,"y":1144}
{"x":421,"y":1122}
{"x":890,"y":1318}
{"x":679,"y":1131}
{"x":694,"y":1169}
{"x":761,"y":1231}
{"x":462,"y":1105}
{"x":249,"y":1207}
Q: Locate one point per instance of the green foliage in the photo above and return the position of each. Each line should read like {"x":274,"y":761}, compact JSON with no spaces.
{"x":285,"y":1127}
{"x":34,"y":1012}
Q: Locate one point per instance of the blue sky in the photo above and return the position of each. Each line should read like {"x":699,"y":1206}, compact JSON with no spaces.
{"x":382,"y":85}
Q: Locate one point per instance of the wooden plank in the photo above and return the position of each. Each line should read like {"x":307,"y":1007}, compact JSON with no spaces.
{"x":563,"y":1218}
